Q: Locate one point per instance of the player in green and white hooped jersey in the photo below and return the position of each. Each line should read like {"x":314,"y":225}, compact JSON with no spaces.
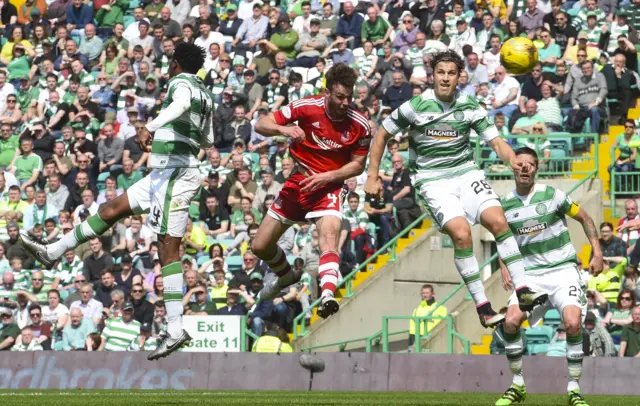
{"x":182,"y":128}
{"x":455,"y":191}
{"x":536,"y":214}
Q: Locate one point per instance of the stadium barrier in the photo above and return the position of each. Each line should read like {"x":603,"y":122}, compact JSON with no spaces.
{"x":563,"y":159}
{"x":343,"y":372}
{"x":623,"y":184}
{"x":373,"y":341}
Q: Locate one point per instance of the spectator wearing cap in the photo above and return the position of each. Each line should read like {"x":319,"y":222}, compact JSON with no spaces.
{"x":223,"y":116}
{"x":235,"y":79}
{"x":464,"y":35}
{"x":75,"y":333}
{"x":580,"y":46}
{"x":311,"y":44}
{"x":268,"y":187}
{"x":252,"y":30}
{"x":350,"y":25}
{"x":231,"y":26}
{"x":128,"y":275}
{"x":251,"y":95}
{"x":601,"y":342}
{"x":146,"y":341}
{"x":284,"y":40}
{"x":589,"y":7}
{"x":120,"y":333}
{"x":9,"y":331}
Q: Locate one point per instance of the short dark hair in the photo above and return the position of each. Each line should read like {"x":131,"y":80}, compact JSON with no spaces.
{"x":107,"y":271}
{"x":14,"y":187}
{"x":55,"y":292}
{"x":353,"y":195}
{"x":428,"y":286}
{"x":447,"y":56}
{"x":190,"y":57}
{"x":34,"y":306}
{"x":630,"y":121}
{"x":527,"y":151}
{"x":606,"y":224}
{"x":341,"y":74}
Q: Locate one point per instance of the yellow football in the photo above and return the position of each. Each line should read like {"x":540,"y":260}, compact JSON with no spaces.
{"x":519,"y":55}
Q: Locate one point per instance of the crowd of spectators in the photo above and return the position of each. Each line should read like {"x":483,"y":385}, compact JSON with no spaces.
{"x":79,"y":80}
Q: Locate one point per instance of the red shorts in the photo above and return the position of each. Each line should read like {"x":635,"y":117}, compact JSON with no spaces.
{"x":293,"y":206}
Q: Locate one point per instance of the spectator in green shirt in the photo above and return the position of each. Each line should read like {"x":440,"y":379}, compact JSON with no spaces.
{"x":9,"y":330}
{"x":27,"y":167}
{"x":9,"y":144}
{"x":376,"y":29}
{"x":128,"y":176}
{"x":630,"y":341}
{"x":201,"y":307}
{"x":285,"y":40}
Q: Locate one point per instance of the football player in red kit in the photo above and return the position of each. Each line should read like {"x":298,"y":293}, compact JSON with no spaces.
{"x":329,"y":144}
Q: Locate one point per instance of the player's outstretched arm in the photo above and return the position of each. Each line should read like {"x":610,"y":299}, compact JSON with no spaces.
{"x":590,"y":230}
{"x":505,"y":152}
{"x":376,"y":150}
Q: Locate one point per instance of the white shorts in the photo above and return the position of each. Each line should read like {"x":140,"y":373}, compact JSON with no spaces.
{"x":467,"y":195}
{"x":564,"y":287}
{"x":165,"y":194}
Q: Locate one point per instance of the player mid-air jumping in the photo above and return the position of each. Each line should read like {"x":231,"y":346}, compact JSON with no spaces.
{"x":444,"y":172}
{"x":329,"y":144}
{"x":182,"y":128}
{"x":536,"y":214}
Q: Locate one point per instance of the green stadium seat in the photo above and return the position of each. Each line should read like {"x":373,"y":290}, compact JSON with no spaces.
{"x":202,"y":259}
{"x":102,"y":178}
{"x":194,"y":211}
{"x":552,"y":318}
{"x":225,"y":243}
{"x":405,"y":156}
{"x":534,"y":349}
{"x":234,"y":263}
{"x":128,"y":20}
{"x":558,"y":162}
{"x":291,"y":258}
{"x":539,"y":334}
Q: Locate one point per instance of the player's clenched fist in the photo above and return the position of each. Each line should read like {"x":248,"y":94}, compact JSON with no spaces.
{"x":144,"y":139}
{"x":372,"y":186}
{"x":294,"y":132}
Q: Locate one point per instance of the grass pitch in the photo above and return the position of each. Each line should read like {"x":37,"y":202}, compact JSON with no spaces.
{"x":255,"y":398}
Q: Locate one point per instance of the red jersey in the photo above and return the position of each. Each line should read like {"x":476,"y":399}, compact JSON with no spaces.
{"x":328,"y":144}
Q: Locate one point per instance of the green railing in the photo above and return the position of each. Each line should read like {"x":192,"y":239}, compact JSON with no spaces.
{"x":382,"y":337}
{"x":347,"y":281}
{"x":485,"y":159}
{"x":376,"y":338}
{"x":560,"y":162}
{"x":622,"y":183}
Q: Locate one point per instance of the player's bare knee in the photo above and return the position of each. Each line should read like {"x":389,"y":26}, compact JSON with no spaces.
{"x":512,"y":320}
{"x":258,"y":248}
{"x":498,"y":225}
{"x":572,"y":326}
{"x":461,"y":238}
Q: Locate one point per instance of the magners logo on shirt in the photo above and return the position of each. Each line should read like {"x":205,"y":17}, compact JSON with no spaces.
{"x":442,"y":131}
{"x":532,"y":227}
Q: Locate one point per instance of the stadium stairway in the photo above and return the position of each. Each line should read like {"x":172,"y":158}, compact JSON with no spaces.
{"x":371,"y":269}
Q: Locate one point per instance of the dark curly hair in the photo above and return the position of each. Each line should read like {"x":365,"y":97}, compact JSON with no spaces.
{"x":447,"y":56}
{"x":190,"y":57}
{"x":341,"y":74}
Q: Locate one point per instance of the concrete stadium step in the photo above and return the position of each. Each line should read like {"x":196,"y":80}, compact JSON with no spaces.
{"x":374,"y":267}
